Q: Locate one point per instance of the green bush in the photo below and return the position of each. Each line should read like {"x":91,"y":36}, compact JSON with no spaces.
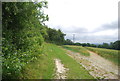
{"x":21,"y":35}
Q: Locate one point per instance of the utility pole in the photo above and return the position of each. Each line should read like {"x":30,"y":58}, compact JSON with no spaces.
{"x":73,"y":38}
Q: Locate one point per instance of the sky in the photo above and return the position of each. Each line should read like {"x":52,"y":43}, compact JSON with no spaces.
{"x":92,"y":21}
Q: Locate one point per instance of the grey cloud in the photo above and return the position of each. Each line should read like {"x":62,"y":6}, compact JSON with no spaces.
{"x":111,"y":26}
{"x":82,"y":30}
{"x":84,"y":35}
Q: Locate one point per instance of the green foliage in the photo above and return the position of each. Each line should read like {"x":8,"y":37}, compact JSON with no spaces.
{"x":68,"y":42}
{"x":21,"y":35}
{"x":113,"y":45}
{"x":116,"y":45}
{"x":55,"y":36}
{"x":42,"y":68}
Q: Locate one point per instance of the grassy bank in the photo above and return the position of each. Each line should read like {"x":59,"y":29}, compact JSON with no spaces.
{"x":44,"y":67}
{"x":78,"y":49}
{"x":109,"y":54}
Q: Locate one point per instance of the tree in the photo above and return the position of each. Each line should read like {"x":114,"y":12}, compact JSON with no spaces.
{"x":68,"y":42}
{"x":88,"y":44}
{"x":105,"y":45}
{"x":55,"y":36}
{"x":116,"y":45}
{"x":21,"y":35}
{"x":111,"y":45}
{"x":78,"y":44}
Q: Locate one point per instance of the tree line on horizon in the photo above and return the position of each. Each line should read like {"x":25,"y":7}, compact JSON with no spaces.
{"x":112,"y":45}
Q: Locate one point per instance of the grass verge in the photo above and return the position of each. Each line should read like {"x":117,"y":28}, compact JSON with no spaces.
{"x":44,"y":67}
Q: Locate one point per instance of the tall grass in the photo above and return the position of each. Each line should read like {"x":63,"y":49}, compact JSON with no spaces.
{"x":109,"y":54}
{"x":79,"y":49}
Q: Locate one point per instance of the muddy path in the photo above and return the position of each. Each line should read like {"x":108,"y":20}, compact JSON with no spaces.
{"x":97,"y":66}
{"x":60,"y":70}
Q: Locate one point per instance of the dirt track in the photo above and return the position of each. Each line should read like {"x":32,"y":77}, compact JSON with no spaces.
{"x":60,"y":70}
{"x":96,"y":65}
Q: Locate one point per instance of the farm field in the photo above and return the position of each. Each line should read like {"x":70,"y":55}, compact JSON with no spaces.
{"x":98,"y":66}
{"x":109,"y":54}
{"x":79,"y":49}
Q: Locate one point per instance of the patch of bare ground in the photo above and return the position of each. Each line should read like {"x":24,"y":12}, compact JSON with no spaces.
{"x":97,"y":66}
{"x":60,"y":70}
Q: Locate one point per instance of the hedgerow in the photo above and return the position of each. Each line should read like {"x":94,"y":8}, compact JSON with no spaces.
{"x":22,"y":35}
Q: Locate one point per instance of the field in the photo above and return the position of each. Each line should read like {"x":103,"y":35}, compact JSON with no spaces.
{"x":103,"y":63}
{"x":78,"y":49}
{"x":109,"y":54}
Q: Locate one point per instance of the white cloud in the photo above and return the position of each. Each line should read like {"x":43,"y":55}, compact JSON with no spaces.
{"x":69,"y":15}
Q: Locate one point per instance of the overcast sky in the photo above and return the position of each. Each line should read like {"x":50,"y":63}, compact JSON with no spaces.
{"x":93,"y":21}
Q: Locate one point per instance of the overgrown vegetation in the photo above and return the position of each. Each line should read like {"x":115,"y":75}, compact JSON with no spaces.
{"x":21,"y":35}
{"x":109,"y":54}
{"x":42,"y":68}
{"x":78,"y":49}
{"x":55,"y":36}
